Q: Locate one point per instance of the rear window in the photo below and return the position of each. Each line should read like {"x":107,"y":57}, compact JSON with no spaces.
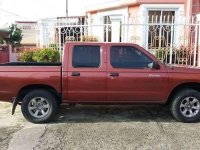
{"x":86,"y":56}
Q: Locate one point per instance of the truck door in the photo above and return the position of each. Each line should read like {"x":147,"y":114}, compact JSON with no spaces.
{"x":129,"y":79}
{"x":87,"y":73}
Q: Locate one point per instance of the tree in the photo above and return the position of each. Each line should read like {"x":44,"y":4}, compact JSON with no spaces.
{"x":15,"y":35}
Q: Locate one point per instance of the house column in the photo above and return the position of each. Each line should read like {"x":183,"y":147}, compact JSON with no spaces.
{"x":41,"y":28}
{"x":116,"y":23}
{"x":198,"y":42}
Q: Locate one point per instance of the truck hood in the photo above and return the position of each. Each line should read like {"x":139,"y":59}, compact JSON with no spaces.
{"x":183,"y":69}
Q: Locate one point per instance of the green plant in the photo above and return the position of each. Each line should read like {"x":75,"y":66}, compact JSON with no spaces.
{"x":15,"y":35}
{"x":26,"y":55}
{"x":46,"y":55}
{"x":39,"y":55}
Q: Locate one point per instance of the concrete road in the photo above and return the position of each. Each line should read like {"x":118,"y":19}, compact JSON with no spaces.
{"x":99,"y":127}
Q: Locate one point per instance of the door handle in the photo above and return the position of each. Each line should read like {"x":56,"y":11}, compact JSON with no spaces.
{"x":76,"y":74}
{"x":114,"y":74}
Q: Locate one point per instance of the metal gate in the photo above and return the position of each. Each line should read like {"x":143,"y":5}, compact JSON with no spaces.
{"x":172,"y":40}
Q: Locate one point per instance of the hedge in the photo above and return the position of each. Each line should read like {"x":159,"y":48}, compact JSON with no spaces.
{"x":39,"y":55}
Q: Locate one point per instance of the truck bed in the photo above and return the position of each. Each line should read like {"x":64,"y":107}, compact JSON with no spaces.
{"x":18,"y":75}
{"x":30,"y":64}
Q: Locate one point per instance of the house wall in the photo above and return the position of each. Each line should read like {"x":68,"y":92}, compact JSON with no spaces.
{"x":117,"y":16}
{"x":137,"y":13}
{"x":134,"y":32}
{"x":133,"y":10}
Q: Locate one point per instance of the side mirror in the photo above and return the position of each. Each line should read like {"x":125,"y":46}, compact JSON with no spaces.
{"x":154,"y":65}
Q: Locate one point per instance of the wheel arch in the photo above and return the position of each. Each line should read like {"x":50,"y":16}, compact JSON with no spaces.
{"x":190,"y":85}
{"x":24,"y":90}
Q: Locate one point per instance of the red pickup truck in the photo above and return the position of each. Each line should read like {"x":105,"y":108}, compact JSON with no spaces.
{"x":99,"y":73}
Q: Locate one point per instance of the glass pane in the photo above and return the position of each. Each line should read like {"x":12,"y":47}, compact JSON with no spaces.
{"x":154,"y":16}
{"x":168,"y":16}
{"x":86,"y":56}
{"x":128,"y":57}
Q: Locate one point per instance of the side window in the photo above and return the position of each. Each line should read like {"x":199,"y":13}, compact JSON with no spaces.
{"x":128,"y":57}
{"x":86,"y":56}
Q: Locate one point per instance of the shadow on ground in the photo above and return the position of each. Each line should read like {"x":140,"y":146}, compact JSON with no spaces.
{"x":113,"y":113}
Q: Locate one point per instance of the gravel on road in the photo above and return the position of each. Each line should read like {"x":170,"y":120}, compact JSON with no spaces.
{"x":99,"y":127}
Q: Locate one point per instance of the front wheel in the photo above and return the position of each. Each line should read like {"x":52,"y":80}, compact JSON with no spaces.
{"x":185,"y":106}
{"x":39,"y":106}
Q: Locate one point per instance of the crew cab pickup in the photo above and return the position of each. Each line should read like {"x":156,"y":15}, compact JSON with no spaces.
{"x":100,"y":73}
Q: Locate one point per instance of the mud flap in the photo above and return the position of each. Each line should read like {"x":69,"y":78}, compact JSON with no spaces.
{"x":14,"y":101}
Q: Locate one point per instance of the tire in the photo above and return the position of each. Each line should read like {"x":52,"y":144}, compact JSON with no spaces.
{"x":184,"y":101}
{"x":39,"y":106}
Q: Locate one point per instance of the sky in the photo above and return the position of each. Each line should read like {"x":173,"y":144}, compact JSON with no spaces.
{"x":32,"y":10}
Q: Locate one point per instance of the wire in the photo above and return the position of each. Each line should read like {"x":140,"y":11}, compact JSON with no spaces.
{"x":47,"y":4}
{"x":13,"y":13}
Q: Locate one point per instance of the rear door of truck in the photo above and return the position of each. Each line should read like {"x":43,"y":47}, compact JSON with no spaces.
{"x":86,"y":72}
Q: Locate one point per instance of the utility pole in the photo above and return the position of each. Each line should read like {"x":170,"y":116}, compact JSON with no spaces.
{"x":66,"y":8}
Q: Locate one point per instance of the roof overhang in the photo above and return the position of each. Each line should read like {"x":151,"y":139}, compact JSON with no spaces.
{"x":125,"y":3}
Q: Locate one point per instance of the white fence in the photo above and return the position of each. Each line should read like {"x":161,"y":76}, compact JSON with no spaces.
{"x":172,"y":40}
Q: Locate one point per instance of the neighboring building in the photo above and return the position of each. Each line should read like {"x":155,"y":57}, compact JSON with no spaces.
{"x":29,"y":39}
{"x":29,"y":33}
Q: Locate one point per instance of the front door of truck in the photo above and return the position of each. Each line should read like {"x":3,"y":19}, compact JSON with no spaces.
{"x":86,"y":73}
{"x":129,"y":77}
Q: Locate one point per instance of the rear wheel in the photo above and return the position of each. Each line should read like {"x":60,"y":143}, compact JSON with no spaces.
{"x":39,"y":106}
{"x":185,"y":106}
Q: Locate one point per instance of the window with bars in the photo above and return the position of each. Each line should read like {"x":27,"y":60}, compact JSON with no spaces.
{"x":160,"y":28}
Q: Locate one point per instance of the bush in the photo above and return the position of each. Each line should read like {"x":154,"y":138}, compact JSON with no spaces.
{"x":40,"y":55}
{"x":46,"y":55}
{"x":26,"y":56}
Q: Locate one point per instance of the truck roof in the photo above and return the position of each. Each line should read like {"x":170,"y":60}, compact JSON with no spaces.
{"x":101,"y":43}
